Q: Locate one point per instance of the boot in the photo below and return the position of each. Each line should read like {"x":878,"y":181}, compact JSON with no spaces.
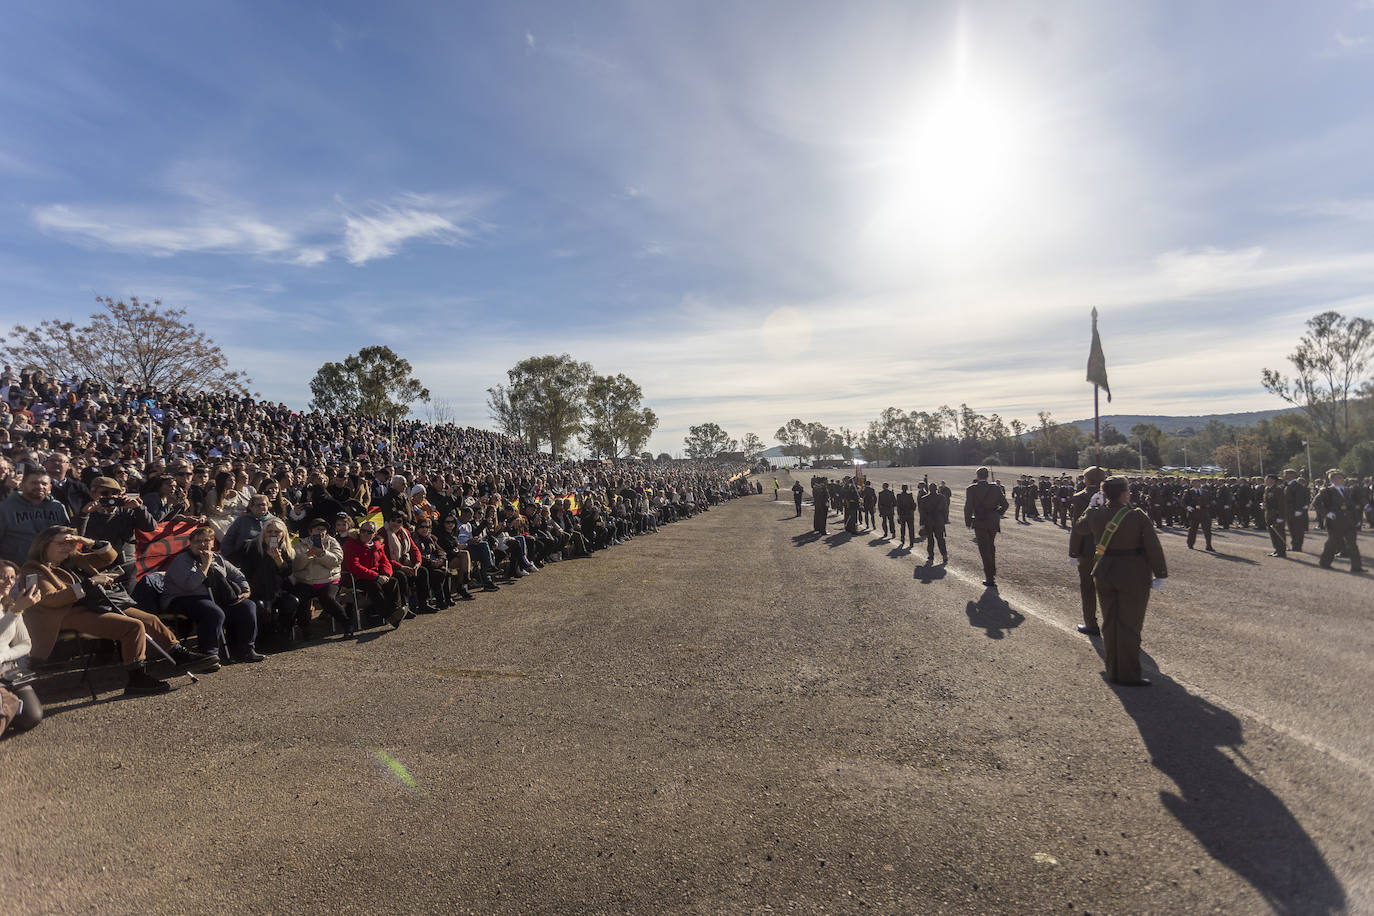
{"x":464,"y":594}
{"x":141,"y":682}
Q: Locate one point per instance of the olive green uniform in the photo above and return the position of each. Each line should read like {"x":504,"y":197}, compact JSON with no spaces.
{"x":1123,"y":574}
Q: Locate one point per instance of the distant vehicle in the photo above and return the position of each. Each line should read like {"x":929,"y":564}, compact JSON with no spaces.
{"x":1210,"y":469}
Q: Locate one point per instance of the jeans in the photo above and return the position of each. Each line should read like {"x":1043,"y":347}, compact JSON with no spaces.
{"x":239,"y":622}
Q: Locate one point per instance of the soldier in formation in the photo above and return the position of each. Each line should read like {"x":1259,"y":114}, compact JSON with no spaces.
{"x":1339,"y":506}
{"x":820,"y":501}
{"x":934,"y":508}
{"x":887,"y":507}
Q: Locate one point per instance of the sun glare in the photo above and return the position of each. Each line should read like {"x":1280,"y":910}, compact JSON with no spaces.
{"x":951,"y":179}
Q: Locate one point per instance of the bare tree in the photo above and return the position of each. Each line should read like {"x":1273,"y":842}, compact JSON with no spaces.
{"x":144,"y":344}
{"x":441,"y":412}
{"x":1331,"y":361}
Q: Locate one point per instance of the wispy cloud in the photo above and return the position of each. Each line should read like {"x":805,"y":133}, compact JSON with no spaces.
{"x":140,"y":232}
{"x":448,"y":221}
{"x":218,"y":225}
{"x":1346,"y":45}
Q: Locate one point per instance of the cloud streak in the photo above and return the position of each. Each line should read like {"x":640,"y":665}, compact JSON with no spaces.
{"x":214,"y":226}
{"x":448,"y":221}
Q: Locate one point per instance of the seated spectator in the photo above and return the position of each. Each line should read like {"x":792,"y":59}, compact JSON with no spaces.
{"x":223,"y":504}
{"x":365,"y":559}
{"x":202,"y":585}
{"x":405,"y":561}
{"x":15,"y":644}
{"x":315,"y":571}
{"x":244,"y":528}
{"x":28,"y":511}
{"x":71,"y":586}
{"x":440,"y":567}
{"x":455,"y":536}
{"x":267,"y":565}
{"x":114,"y":517}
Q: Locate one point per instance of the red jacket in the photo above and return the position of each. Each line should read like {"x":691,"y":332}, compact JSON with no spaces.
{"x":365,"y":563}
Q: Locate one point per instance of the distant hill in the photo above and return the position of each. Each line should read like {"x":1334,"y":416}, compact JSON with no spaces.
{"x":1172,"y":425}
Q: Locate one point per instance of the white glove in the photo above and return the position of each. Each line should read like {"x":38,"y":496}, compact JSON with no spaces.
{"x":1330,"y":515}
{"x":1097,"y":500}
{"x":1157,"y":584}
{"x":1073,"y":561}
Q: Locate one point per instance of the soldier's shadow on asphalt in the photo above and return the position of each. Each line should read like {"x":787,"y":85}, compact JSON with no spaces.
{"x":806,"y":538}
{"x":929,"y":573}
{"x":840,"y":537}
{"x":1233,"y":558}
{"x":1241,"y":823}
{"x":992,"y":614}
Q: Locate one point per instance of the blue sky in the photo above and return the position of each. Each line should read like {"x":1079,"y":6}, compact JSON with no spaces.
{"x":756,"y":210}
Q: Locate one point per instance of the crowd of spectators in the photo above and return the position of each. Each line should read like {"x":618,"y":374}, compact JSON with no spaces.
{"x":280,"y":511}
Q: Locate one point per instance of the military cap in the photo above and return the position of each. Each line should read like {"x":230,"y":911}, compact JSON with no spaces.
{"x":1094,"y":474}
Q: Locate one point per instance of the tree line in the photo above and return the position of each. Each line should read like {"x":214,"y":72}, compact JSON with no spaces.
{"x":548,"y":400}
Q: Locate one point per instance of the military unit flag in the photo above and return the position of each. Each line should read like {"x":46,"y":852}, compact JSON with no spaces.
{"x":1097,"y":362}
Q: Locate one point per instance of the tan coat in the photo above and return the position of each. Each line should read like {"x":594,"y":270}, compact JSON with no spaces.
{"x":56,"y":585}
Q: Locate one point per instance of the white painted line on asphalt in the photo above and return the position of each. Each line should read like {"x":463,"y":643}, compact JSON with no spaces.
{"x":1033,"y":608}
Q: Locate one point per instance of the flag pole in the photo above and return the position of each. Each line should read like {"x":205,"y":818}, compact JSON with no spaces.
{"x":1097,"y":431}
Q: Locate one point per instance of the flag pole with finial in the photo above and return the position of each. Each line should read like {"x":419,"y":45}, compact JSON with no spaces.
{"x":1097,"y":374}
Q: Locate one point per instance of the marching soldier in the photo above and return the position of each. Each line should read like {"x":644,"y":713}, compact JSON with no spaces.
{"x":1298,"y":497}
{"x":797,"y":491}
{"x":934,"y":516}
{"x":869,"y":497}
{"x":906,"y":517}
{"x":1129,"y":562}
{"x":1197,"y":502}
{"x":851,"y":506}
{"x":1081,"y":547}
{"x":820,"y":500}
{"x":984,"y":506}
{"x":1338,"y":505}
{"x":887,"y":505}
{"x":1276,"y":514}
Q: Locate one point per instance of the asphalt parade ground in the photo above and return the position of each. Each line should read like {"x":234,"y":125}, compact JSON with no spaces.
{"x":736,"y":715}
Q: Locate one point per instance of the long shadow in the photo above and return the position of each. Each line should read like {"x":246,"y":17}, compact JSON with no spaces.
{"x":899,"y":552}
{"x":878,"y":542}
{"x":1232,"y":558}
{"x":993,"y":614}
{"x":807,"y":538}
{"x":840,"y":537}
{"x":1243,"y":825}
{"x":929,"y":573}
{"x":788,"y":518}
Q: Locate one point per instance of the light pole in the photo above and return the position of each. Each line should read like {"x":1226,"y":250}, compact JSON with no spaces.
{"x":1236,"y":440}
{"x":1141,"y":442}
{"x":1308,"y":446}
